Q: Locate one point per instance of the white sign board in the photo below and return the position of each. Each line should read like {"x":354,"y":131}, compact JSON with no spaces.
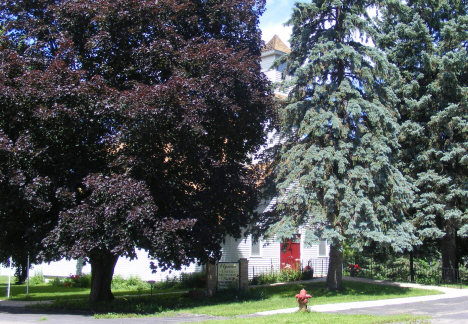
{"x":228,"y":275}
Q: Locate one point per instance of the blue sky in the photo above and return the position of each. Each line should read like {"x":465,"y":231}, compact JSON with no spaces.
{"x":276,"y":14}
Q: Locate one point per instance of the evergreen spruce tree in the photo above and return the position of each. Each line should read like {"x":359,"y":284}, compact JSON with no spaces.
{"x":427,"y":41}
{"x":337,"y":172}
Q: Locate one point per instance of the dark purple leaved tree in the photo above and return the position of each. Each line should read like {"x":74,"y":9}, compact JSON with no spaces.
{"x":138,"y":119}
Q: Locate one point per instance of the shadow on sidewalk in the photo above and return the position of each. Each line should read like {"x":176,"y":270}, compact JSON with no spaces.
{"x":31,"y":310}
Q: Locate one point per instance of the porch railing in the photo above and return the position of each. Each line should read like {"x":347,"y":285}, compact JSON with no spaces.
{"x":319,"y":266}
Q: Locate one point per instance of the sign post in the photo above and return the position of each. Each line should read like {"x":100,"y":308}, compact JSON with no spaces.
{"x":27,"y":276}
{"x":9,"y":279}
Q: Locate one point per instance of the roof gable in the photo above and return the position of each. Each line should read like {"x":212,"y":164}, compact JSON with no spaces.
{"x":276,"y":44}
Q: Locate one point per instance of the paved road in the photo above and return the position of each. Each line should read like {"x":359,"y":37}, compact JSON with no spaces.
{"x":443,"y":311}
{"x":25,"y":316}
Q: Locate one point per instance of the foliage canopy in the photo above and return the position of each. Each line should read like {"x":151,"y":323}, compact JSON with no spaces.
{"x":132,"y":122}
{"x":338,"y":170}
{"x":427,"y":41}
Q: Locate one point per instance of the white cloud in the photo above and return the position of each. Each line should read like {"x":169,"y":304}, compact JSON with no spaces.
{"x":284,"y":33}
{"x":276,"y":14}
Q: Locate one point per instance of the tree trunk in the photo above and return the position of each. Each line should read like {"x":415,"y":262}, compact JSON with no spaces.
{"x":449,"y":257}
{"x":335,"y":268}
{"x":21,"y":273}
{"x":411,"y":265}
{"x":102,"y":270}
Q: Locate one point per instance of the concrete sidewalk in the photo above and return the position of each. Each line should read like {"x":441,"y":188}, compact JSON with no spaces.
{"x":24,"y":303}
{"x":447,"y":293}
{"x":21,"y":303}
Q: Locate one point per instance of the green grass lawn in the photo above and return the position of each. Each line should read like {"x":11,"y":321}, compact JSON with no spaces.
{"x":312,"y":318}
{"x":230,"y":303}
{"x":278,"y":297}
{"x":323,"y":318}
{"x":49,"y":292}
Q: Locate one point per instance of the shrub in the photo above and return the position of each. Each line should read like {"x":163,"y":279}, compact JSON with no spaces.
{"x":426,"y":273}
{"x":37,"y":279}
{"x":193,"y":280}
{"x":185,"y":281}
{"x":170,"y":282}
{"x":79,"y":281}
{"x":132,"y":283}
{"x":265,"y":278}
{"x":57,"y":282}
{"x":118,"y":282}
{"x":285,"y":275}
{"x":74,"y":281}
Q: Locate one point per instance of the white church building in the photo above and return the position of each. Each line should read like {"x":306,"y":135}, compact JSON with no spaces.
{"x":273,"y":254}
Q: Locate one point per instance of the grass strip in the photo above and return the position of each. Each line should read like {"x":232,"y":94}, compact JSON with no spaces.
{"x":324,"y":318}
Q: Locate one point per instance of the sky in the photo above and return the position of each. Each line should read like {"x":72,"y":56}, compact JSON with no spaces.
{"x":276,"y":14}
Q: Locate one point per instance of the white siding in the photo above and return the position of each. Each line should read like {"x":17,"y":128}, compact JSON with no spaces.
{"x":62,"y":268}
{"x":273,"y":75}
{"x":233,"y":249}
{"x":269,"y":259}
{"x":310,"y":256}
{"x":141,"y":267}
{"x":124,"y":267}
{"x":4,"y":271}
{"x":267,"y":62}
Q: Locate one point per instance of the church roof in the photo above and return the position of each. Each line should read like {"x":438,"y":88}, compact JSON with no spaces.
{"x":276,"y":44}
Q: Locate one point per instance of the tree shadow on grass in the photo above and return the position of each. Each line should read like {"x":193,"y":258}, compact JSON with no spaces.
{"x":43,"y":292}
{"x":144,"y":305}
{"x":350,"y":289}
{"x":39,"y":311}
{"x":49,"y":292}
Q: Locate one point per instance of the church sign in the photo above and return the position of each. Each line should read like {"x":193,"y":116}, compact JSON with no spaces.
{"x":228,"y":275}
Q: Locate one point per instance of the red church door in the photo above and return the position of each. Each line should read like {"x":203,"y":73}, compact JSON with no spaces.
{"x":290,"y":255}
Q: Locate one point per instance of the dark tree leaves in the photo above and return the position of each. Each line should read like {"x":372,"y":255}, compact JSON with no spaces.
{"x":135,"y":112}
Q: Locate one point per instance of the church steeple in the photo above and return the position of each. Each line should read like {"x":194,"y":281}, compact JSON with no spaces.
{"x":276,"y":44}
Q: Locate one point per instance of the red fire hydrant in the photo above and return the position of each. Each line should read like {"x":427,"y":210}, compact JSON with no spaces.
{"x":303,"y":299}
